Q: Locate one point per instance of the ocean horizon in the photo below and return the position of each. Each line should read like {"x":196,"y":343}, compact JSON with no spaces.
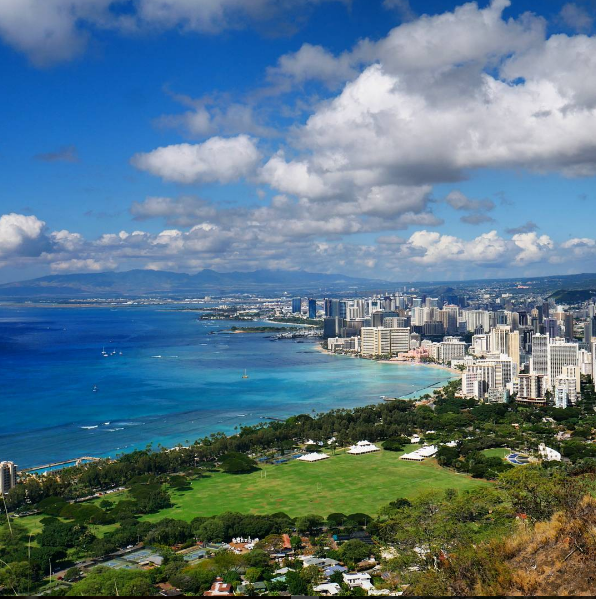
{"x":168,"y":378}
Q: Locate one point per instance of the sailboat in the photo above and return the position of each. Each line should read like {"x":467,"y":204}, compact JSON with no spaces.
{"x":104,"y":353}
{"x":245,"y":376}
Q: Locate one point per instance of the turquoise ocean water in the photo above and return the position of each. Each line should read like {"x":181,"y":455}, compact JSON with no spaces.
{"x":166,"y":380}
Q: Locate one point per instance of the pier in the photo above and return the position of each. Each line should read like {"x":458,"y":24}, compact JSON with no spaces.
{"x":59,"y":465}
{"x":425,"y":387}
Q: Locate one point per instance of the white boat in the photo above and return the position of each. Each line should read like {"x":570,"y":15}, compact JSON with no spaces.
{"x":245,"y":376}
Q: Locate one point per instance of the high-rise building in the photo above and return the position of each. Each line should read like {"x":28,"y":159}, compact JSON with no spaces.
{"x":566,"y":392}
{"x":312,"y":308}
{"x":375,"y":341}
{"x":376,"y":318}
{"x":400,"y":339}
{"x":568,"y":324}
{"x":531,"y":388}
{"x":8,"y":476}
{"x":296,"y":305}
{"x":449,"y":315}
{"x":331,"y":308}
{"x":505,"y":341}
{"x":478,"y":321}
{"x":332,"y":326}
{"x":451,"y":348}
{"x":380,"y":341}
{"x":396,"y":322}
{"x":551,"y":327}
{"x":492,"y":373}
{"x":539,"y":360}
{"x":560,"y":355}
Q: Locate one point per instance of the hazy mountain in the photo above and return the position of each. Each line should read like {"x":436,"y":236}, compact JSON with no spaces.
{"x":150,"y":282}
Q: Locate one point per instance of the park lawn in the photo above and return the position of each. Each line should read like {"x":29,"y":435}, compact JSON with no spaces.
{"x":343,"y":483}
{"x":33,"y":525}
{"x":500,"y":452}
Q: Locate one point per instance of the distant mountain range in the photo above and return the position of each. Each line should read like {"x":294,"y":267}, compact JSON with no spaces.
{"x":139,"y":283}
{"x":162,"y":283}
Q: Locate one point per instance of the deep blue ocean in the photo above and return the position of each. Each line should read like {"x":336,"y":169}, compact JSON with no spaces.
{"x":166,"y":380}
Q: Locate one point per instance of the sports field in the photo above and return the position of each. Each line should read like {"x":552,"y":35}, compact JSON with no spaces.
{"x":343,"y":483}
{"x":500,"y":452}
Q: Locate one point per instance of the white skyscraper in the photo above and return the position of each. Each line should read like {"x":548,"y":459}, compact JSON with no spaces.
{"x":561,"y":354}
{"x":539,"y":361}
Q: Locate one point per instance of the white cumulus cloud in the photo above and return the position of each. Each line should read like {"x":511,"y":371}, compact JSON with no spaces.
{"x":22,"y":235}
{"x":217,"y":159}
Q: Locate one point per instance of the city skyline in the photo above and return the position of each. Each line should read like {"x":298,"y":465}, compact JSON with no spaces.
{"x":378,"y":139}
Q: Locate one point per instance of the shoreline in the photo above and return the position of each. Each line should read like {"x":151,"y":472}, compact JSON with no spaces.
{"x":316,"y":347}
{"x":454,"y":371}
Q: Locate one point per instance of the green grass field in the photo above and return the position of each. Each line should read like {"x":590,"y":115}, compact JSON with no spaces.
{"x":500,"y":452}
{"x":33,"y":525}
{"x":343,"y":483}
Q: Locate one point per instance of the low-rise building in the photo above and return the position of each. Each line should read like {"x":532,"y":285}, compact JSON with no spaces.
{"x":358,"y":579}
{"x":343,"y":344}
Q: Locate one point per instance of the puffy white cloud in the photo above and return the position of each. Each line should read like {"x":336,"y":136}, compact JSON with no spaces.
{"x":295,"y":177}
{"x":465,"y":35}
{"x":217,"y":159}
{"x":446,"y":94}
{"x":432,"y":248}
{"x":22,"y":235}
{"x":66,"y":240}
{"x":533,"y":247}
{"x":560,"y":71}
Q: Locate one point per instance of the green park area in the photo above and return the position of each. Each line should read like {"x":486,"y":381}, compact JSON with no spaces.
{"x":498,"y":452}
{"x":343,"y":483}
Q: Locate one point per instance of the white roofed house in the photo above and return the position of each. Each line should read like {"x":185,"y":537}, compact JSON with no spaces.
{"x":358,"y":579}
{"x":546,"y":453}
{"x":328,"y":588}
{"x":363,"y":447}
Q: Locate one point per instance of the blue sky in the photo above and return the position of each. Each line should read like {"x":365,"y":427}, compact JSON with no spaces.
{"x":390,"y":139}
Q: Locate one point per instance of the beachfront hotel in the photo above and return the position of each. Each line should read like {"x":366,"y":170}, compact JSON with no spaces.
{"x":8,"y":476}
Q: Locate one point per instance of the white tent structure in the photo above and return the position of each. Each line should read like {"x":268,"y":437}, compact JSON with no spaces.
{"x":363,"y":447}
{"x":428,"y":451}
{"x":313,"y":457}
